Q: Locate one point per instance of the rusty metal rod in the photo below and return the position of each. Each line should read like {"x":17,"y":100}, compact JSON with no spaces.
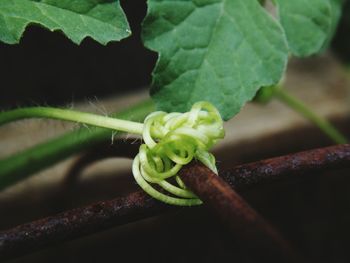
{"x":102,"y":215}
{"x":77,"y":222}
{"x":296,"y":165}
{"x":255,"y":235}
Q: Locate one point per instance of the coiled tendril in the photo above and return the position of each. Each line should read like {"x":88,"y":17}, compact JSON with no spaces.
{"x":171,"y":141}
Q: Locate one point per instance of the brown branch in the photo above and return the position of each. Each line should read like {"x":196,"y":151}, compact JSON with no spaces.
{"x":102,"y":215}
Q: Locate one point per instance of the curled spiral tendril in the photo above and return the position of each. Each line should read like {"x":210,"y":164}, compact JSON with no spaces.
{"x":172,"y":140}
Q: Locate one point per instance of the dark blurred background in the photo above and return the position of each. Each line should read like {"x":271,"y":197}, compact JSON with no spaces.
{"x":47,"y":68}
{"x":341,"y":41}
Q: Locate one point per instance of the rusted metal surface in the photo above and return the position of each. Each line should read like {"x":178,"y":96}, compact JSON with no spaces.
{"x":255,"y":234}
{"x":77,"y":222}
{"x":288,"y":166}
{"x":102,"y":215}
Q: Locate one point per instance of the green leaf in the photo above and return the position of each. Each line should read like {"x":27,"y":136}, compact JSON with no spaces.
{"x":219,"y":51}
{"x":308,"y":24}
{"x":102,"y":20}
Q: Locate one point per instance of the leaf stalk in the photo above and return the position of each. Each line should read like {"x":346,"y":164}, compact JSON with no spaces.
{"x":322,"y":123}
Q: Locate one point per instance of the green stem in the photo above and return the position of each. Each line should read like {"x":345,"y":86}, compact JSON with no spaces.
{"x":319,"y":121}
{"x":71,"y":115}
{"x":21,"y":165}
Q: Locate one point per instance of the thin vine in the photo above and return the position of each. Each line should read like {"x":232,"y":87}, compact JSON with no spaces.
{"x":265,"y":94}
{"x":171,"y":141}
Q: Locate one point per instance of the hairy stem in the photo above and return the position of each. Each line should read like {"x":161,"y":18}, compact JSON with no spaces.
{"x":21,"y":165}
{"x":322,"y":123}
{"x":71,"y":115}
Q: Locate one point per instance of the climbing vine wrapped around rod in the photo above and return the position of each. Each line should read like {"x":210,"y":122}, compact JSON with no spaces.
{"x":171,"y":141}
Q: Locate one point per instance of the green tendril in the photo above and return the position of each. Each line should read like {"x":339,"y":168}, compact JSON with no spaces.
{"x":172,"y":140}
